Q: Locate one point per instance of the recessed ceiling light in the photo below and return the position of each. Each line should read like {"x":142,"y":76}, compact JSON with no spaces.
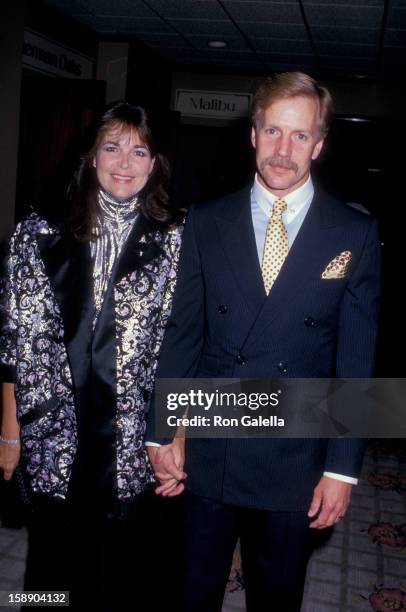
{"x":217,"y":44}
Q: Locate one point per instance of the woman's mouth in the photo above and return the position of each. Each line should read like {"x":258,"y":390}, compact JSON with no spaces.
{"x":121,"y":178}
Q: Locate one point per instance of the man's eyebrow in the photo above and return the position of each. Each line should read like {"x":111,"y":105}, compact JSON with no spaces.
{"x":273,"y":125}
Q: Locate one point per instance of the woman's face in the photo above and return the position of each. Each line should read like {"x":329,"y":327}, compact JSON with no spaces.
{"x":123,"y":163}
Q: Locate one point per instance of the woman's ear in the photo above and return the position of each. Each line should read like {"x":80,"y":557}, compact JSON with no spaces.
{"x":94,"y":162}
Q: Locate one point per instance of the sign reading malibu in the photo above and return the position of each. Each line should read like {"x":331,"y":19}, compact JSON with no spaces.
{"x":215,"y":104}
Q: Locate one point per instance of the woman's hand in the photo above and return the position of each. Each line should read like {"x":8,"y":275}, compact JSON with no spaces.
{"x":168,"y":461}
{"x":9,"y":458}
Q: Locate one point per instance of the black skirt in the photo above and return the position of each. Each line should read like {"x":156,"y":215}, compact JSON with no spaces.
{"x":107,"y":563}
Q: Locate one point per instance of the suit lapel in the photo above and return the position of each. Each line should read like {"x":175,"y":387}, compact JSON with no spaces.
{"x":68,"y":266}
{"x":141,"y":247}
{"x":237,"y":238}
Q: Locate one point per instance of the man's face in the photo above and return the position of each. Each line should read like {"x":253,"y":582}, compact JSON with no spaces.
{"x":286,"y":140}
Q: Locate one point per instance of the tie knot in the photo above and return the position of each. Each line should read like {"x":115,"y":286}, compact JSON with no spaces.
{"x":279,"y":208}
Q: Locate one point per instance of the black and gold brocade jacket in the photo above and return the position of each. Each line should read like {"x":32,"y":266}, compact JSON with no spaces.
{"x":82,"y":392}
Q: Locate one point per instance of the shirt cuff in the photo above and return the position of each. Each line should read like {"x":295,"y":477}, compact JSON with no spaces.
{"x":341,"y":477}
{"x":152,"y":444}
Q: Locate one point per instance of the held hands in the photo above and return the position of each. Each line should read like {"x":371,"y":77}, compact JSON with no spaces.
{"x":9,"y":458}
{"x":330,"y":502}
{"x":168,"y":461}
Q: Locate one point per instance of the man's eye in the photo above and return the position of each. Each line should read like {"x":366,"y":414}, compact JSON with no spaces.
{"x":302,"y":136}
{"x":270,"y":131}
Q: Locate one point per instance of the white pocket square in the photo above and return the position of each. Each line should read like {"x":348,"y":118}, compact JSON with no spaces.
{"x":338,"y":267}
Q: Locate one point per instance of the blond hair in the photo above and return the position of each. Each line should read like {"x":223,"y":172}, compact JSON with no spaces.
{"x":289,"y":85}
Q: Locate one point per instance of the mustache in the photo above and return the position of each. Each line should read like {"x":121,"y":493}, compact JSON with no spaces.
{"x":280,"y":161}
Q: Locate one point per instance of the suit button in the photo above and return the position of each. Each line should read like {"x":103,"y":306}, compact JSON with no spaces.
{"x":222,"y":309}
{"x":282,"y":367}
{"x":241,"y":360}
{"x":309,"y":322}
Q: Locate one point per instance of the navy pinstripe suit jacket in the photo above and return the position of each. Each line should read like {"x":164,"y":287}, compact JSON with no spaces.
{"x":267,"y":336}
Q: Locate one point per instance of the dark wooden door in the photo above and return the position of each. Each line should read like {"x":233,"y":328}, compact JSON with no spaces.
{"x":54,"y":117}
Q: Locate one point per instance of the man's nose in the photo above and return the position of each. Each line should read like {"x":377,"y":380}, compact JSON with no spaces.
{"x":284,"y":146}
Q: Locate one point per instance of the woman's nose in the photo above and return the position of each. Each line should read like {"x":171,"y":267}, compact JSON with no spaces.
{"x":124,"y":160}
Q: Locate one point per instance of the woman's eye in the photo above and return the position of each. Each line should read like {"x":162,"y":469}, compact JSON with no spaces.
{"x":140,"y":153}
{"x":110,"y":149}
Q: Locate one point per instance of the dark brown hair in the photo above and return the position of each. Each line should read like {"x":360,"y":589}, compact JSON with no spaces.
{"x":289,"y":85}
{"x":84,"y":187}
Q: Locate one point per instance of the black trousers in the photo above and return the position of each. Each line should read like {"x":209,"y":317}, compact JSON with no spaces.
{"x":106,"y":564}
{"x":275,"y":549}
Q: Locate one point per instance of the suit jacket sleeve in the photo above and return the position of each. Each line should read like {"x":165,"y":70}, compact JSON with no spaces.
{"x":183,"y":340}
{"x":356,"y":343}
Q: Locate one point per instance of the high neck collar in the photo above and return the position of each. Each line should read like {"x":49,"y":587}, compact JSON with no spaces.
{"x":119,"y":211}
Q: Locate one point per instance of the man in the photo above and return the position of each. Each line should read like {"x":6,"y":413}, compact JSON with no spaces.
{"x":278,"y":280}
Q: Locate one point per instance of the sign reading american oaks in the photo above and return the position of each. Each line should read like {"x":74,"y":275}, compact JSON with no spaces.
{"x":45,"y":55}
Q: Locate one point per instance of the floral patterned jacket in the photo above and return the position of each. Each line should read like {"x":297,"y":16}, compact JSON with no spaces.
{"x":61,"y":366}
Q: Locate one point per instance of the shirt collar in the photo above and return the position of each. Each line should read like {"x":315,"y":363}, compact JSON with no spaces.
{"x":296,"y":200}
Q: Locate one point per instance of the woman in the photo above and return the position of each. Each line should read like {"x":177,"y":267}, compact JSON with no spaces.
{"x":85,"y":307}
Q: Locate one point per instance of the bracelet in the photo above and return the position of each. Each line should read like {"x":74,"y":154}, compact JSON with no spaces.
{"x":9,"y":441}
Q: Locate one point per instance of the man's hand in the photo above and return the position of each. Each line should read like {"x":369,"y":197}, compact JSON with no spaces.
{"x":331,"y":499}
{"x":167,"y":462}
{"x":9,"y":458}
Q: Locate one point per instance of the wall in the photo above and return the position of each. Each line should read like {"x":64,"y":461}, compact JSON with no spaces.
{"x":112,"y":67}
{"x":11,"y":37}
{"x":61,"y":28}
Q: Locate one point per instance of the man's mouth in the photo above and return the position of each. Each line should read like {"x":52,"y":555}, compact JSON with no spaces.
{"x":280,"y":165}
{"x":280,"y":168}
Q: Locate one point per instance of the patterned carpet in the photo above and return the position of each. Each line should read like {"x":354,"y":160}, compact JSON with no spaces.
{"x":362,"y":566}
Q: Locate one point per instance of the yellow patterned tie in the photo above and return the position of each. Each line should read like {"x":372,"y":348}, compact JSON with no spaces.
{"x":276,"y":245}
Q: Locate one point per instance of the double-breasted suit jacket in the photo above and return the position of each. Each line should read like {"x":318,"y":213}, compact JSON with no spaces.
{"x":224,"y":325}
{"x":81,"y":387}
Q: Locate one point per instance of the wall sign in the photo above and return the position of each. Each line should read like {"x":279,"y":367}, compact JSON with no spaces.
{"x":214,"y":104}
{"x":45,"y":55}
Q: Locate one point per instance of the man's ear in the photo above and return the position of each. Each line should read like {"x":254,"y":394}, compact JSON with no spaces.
{"x":253,"y":137}
{"x":318,"y":147}
{"x":94,"y":162}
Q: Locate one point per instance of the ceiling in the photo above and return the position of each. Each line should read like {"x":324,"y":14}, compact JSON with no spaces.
{"x":323,"y":37}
